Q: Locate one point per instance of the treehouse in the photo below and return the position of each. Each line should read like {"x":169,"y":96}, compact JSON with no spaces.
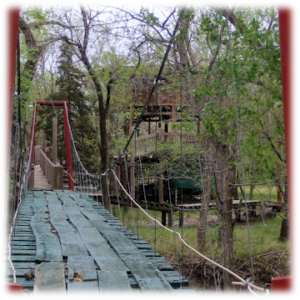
{"x":160,"y":117}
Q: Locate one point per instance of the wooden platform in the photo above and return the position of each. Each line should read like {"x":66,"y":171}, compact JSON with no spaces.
{"x":165,"y":207}
{"x":40,"y":180}
{"x":72,"y":244}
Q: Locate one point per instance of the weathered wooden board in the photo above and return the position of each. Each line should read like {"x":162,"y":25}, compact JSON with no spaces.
{"x":102,"y":226}
{"x":50,"y":276}
{"x":113,"y":281}
{"x":24,"y":265}
{"x":26,"y":284}
{"x":83,"y":286}
{"x":116,"y":265}
{"x":71,"y":242}
{"x":23,"y":251}
{"x":22,"y":258}
{"x":84,"y":265}
{"x":103,"y":254}
{"x":78,"y":219}
{"x":145,"y":273}
{"x":19,"y":272}
{"x":91,"y":214}
{"x":120,"y":243}
{"x":22,"y":238}
{"x":23,"y":243}
{"x":47,"y":244}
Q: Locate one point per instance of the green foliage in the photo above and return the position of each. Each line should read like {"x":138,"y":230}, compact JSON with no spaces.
{"x":71,"y":85}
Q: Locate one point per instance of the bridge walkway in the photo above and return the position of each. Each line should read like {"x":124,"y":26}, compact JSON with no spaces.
{"x":63,"y":240}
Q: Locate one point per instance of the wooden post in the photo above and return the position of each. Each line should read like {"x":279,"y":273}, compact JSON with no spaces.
{"x":31,"y":179}
{"x":161,"y":188}
{"x":164,"y":218}
{"x":173,"y":112}
{"x":132,"y":178}
{"x":57,"y":183}
{"x":43,"y":141}
{"x":170,"y":219}
{"x":181,"y":217}
{"x":54,"y":140}
{"x":131,"y":120}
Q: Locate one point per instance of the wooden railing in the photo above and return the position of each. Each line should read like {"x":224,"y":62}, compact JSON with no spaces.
{"x":37,"y":154}
{"x":54,"y":173}
{"x":145,"y":144}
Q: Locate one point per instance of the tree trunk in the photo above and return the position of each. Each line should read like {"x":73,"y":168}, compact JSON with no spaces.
{"x":279,"y":183}
{"x":207,"y":181}
{"x":285,"y":227}
{"x":225,"y":182}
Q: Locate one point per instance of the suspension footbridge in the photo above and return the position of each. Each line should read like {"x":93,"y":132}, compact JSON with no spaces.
{"x":61,"y":237}
{"x":63,"y":240}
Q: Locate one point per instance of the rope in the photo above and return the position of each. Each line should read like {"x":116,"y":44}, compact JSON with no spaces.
{"x":244,"y":282}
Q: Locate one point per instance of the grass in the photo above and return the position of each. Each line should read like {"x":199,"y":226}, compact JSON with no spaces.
{"x":262,"y":192}
{"x":263,"y":236}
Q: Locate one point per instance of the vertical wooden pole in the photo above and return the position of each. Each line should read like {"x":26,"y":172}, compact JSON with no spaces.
{"x":164,"y":218}
{"x":54,"y":140}
{"x":170,"y":219}
{"x":43,"y":141}
{"x":68,"y":148}
{"x":132,"y":177}
{"x":161,"y":188}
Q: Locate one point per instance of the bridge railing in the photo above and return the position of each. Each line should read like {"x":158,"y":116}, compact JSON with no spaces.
{"x":37,"y":154}
{"x":145,"y":144}
{"x":54,"y":173}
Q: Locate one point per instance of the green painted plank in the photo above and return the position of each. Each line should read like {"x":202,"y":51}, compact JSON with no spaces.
{"x":50,"y":276}
{"x":103,"y":254}
{"x":108,"y":265}
{"x":120,"y":243}
{"x":71,"y":242}
{"x":77,"y":218}
{"x":22,"y":243}
{"x":23,"y":252}
{"x":83,"y":286}
{"x":91,"y":214}
{"x":47,"y":244}
{"x":113,"y":281}
{"x":19,"y":272}
{"x":84,"y":265}
{"x":26,"y":284}
{"x":24,"y":265}
{"x":22,"y":258}
{"x":145,"y":273}
{"x":102,"y":226}
{"x":177,"y":282}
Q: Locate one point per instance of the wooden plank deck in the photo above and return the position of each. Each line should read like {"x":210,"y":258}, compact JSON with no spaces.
{"x":68,"y":231}
{"x":40,"y":180}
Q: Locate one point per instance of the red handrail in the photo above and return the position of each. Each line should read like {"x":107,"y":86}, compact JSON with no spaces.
{"x":289,"y":51}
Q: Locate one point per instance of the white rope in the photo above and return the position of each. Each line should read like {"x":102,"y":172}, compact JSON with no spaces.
{"x":243,"y":282}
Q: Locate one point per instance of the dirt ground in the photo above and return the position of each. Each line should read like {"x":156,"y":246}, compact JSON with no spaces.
{"x":202,"y":276}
